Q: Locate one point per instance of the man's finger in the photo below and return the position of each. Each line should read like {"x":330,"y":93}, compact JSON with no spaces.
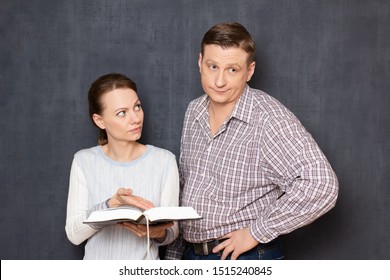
{"x":226,"y":252}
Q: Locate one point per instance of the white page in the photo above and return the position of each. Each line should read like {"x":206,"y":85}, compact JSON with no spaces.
{"x":171,"y":213}
{"x":120,"y":213}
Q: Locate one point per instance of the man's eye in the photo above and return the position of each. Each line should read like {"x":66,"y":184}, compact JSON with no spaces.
{"x":233,"y":70}
{"x":213,"y":67}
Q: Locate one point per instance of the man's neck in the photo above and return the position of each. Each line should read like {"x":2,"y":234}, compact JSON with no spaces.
{"x":218,"y":113}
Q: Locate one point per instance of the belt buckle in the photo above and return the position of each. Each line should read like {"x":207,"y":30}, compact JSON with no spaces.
{"x":205,"y":246}
{"x":201,"y":249}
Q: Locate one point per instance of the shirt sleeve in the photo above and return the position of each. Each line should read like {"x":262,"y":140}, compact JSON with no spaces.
{"x":176,"y":249}
{"x":77,"y":207}
{"x":294,"y":162}
{"x":170,"y":197}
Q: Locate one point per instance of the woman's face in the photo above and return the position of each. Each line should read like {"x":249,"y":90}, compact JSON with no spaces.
{"x":122,"y":115}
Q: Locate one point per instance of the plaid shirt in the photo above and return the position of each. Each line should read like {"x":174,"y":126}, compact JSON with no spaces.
{"x":261,"y":170}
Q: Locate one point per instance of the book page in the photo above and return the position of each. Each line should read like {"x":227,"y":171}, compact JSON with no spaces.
{"x":171,"y":214}
{"x":114,"y":214}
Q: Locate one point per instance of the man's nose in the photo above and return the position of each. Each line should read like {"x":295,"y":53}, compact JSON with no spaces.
{"x":220,"y":79}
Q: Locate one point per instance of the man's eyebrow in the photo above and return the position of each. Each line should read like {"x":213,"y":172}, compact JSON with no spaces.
{"x":229,"y":65}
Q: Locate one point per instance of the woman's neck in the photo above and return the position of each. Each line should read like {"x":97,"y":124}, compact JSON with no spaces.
{"x":123,"y":152}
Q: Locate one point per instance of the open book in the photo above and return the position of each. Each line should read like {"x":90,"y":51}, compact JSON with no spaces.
{"x":135,"y":215}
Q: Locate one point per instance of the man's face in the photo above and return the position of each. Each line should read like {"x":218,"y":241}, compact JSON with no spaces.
{"x":224,"y":73}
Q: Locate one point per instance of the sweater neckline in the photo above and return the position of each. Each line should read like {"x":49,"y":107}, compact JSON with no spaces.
{"x":124,"y":163}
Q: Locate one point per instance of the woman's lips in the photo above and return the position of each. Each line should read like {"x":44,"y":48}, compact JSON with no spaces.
{"x":135,"y":130}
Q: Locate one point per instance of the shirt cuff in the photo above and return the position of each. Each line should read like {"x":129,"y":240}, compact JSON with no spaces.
{"x":259,"y":232}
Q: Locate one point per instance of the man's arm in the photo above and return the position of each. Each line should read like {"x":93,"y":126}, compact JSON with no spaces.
{"x":296,"y":164}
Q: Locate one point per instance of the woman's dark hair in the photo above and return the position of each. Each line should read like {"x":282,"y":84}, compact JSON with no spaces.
{"x":98,"y":88}
{"x":230,"y":34}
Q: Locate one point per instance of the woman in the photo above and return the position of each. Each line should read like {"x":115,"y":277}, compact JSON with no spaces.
{"x":120,"y":171}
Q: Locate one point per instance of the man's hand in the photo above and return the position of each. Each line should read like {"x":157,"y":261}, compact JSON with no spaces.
{"x":125,"y":197}
{"x":238,"y":242}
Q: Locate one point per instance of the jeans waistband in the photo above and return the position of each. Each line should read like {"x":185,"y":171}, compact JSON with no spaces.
{"x":206,"y":248}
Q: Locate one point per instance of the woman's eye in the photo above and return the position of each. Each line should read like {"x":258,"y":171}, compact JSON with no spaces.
{"x":121,"y":114}
{"x":138,"y":107}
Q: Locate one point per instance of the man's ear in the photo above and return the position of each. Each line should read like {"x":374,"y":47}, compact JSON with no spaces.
{"x":98,"y":121}
{"x":200,"y":62}
{"x":251,"y":71}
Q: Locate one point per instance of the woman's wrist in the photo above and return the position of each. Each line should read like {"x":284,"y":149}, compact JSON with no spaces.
{"x":162,"y":237}
{"x":113,"y":202}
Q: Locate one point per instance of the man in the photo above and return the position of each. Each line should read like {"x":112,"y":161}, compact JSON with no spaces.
{"x":247,"y":165}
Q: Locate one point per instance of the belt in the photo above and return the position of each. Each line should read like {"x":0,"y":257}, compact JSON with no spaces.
{"x":206,"y":248}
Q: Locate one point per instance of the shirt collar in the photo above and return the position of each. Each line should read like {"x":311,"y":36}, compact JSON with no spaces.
{"x":201,"y":108}
{"x":242,"y":110}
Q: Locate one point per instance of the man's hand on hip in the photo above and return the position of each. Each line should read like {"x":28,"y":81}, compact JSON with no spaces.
{"x":236,"y":243}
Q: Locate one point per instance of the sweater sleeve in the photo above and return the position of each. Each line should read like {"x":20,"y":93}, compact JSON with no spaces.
{"x":170,"y":197}
{"x":77,"y":207}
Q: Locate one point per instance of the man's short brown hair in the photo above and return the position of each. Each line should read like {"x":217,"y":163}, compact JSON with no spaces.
{"x":230,"y":34}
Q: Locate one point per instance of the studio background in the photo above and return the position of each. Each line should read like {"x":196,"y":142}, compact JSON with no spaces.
{"x":327,"y":61}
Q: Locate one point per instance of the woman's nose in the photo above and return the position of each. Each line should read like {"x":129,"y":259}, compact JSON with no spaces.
{"x":135,"y":118}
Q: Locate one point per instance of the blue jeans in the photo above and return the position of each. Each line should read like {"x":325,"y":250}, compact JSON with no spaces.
{"x":268,"y":251}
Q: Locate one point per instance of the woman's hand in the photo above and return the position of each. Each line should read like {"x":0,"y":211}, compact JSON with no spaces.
{"x":157,"y":232}
{"x":125,"y":197}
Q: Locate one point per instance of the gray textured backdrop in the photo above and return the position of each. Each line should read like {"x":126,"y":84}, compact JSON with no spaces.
{"x":327,"y":61}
